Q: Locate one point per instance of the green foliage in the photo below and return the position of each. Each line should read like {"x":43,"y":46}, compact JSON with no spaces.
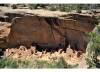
{"x":32,"y":6}
{"x":24,"y":64}
{"x":62,"y":64}
{"x":67,"y":7}
{"x":94,"y":49}
{"x":52,"y":7}
{"x":90,"y":62}
{"x":41,"y":64}
{"x":8,"y":63}
{"x":11,"y":63}
{"x":64,"y":7}
{"x":55,"y":64}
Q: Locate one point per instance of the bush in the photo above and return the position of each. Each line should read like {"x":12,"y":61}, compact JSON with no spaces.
{"x":32,"y":6}
{"x":52,"y":7}
{"x":62,"y":64}
{"x":8,"y":63}
{"x":94,"y":50}
{"x":63,"y":7}
{"x":11,"y":63}
{"x":54,"y":64}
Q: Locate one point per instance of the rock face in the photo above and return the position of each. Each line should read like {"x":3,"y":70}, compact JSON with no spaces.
{"x":7,"y":17}
{"x":4,"y":31}
{"x":84,"y":23}
{"x":78,"y":40}
{"x":51,"y":32}
{"x":39,"y":32}
{"x":13,"y":15}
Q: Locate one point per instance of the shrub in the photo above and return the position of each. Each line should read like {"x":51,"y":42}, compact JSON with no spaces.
{"x":32,"y":6}
{"x":94,"y":50}
{"x":8,"y":63}
{"x":12,"y":63}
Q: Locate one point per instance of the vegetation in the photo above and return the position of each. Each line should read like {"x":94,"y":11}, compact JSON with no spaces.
{"x":8,"y":63}
{"x":68,"y":7}
{"x":12,"y":63}
{"x":94,"y":49}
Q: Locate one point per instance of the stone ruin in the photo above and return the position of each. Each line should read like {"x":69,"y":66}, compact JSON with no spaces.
{"x":54,"y":32}
{"x":49,"y":33}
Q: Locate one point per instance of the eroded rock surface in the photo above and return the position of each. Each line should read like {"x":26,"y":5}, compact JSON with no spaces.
{"x":4,"y":31}
{"x":48,"y":30}
{"x":51,"y":32}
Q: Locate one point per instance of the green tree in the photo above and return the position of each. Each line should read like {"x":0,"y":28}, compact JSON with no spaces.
{"x":94,"y":49}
